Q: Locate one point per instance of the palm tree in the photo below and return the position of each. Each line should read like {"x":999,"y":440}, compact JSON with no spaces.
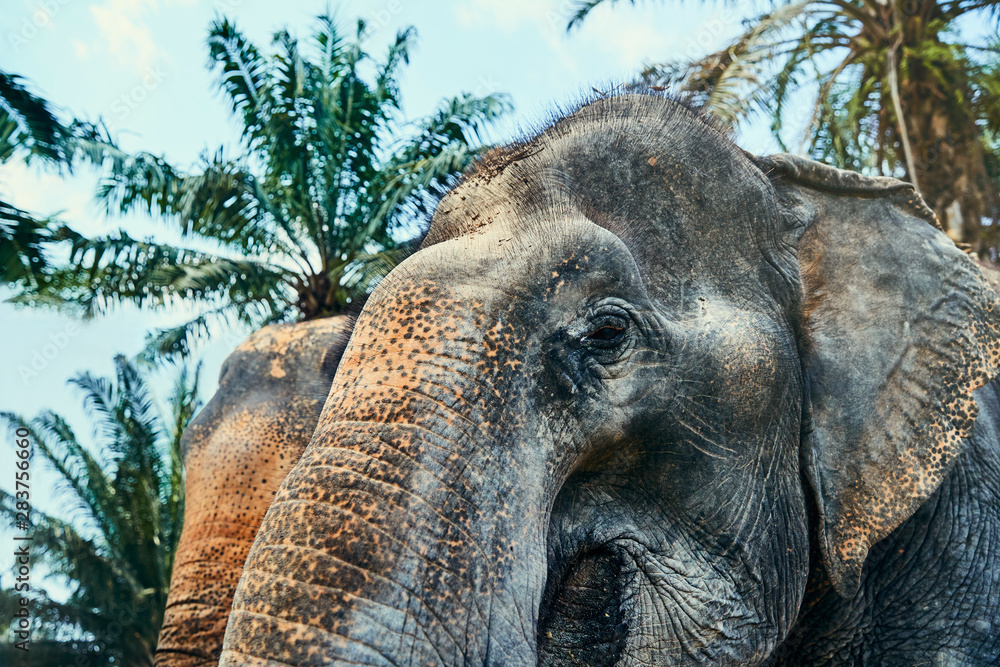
{"x":126,"y":505}
{"x":30,"y":131}
{"x":896,"y":93}
{"x":328,"y":186}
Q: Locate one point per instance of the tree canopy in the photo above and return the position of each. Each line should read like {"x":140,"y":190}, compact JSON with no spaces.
{"x":114,"y":542}
{"x":894,"y":91}
{"x":328,"y":186}
{"x":30,"y":131}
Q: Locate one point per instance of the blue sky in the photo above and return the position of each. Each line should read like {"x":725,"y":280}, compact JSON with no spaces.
{"x":140,"y":65}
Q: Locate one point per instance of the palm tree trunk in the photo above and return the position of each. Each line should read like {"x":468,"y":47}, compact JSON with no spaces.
{"x":941,"y":143}
{"x":897,"y":106}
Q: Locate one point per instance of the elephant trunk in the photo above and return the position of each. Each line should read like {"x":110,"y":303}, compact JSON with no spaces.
{"x":201,"y":591}
{"x":368,"y":555}
{"x":408,"y":533}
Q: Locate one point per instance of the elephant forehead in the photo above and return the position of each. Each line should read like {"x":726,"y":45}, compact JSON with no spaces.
{"x":282,"y":354}
{"x":634,"y":164}
{"x":278,"y":373}
{"x":519,"y":259}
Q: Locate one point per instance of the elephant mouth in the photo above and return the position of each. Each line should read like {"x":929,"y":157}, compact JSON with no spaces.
{"x":583,"y":617}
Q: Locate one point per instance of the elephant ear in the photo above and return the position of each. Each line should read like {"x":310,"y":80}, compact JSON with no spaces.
{"x":899,"y":328}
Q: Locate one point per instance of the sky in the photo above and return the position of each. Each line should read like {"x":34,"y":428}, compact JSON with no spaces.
{"x":140,"y":65}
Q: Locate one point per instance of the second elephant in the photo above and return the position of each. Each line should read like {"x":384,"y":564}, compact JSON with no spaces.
{"x":236,"y":452}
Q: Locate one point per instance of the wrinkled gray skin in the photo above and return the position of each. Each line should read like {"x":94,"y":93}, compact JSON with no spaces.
{"x":643,"y":399}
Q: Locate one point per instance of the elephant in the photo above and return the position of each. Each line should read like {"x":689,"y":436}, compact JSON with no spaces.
{"x":236,"y":451}
{"x":643,"y":398}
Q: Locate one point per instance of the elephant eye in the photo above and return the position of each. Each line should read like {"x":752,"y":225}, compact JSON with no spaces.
{"x":606,"y":332}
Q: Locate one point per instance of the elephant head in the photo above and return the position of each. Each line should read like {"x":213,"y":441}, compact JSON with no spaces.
{"x":236,"y":452}
{"x":600,"y":415}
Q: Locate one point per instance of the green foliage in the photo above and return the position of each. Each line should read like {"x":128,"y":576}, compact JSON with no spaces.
{"x":30,"y":131}
{"x":23,"y":239}
{"x":28,"y":125}
{"x":329,"y":184}
{"x":733,"y":82}
{"x":124,"y":509}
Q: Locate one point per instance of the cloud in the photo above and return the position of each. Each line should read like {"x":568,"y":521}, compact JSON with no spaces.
{"x":545,"y":18}
{"x":124,"y":32}
{"x":508,"y":15}
{"x":80,"y":49}
{"x":626,"y":38}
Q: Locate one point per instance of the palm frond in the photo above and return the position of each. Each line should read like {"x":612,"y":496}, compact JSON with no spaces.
{"x":952,"y":9}
{"x":83,"y":475}
{"x":23,"y":240}
{"x":310,"y":189}
{"x":29,"y":127}
{"x":221,"y":202}
{"x":62,"y":633}
{"x":732,"y":82}
{"x":28,"y":124}
{"x":242,"y":74}
{"x":444,"y":147}
{"x":387,"y":80}
{"x":183,"y":405}
{"x":405,"y":182}
{"x":117,"y":553}
{"x":140,"y":180}
{"x":241,"y":280}
{"x":96,"y":573}
{"x":360,"y":276}
{"x":177,"y":342}
{"x":123,"y":411}
{"x":119,"y":269}
{"x":330,"y":44}
{"x":582,"y":8}
{"x":93,"y":142}
{"x":459,"y":119}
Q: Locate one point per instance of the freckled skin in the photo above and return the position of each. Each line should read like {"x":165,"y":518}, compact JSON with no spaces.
{"x":236,"y":452}
{"x":643,"y":399}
